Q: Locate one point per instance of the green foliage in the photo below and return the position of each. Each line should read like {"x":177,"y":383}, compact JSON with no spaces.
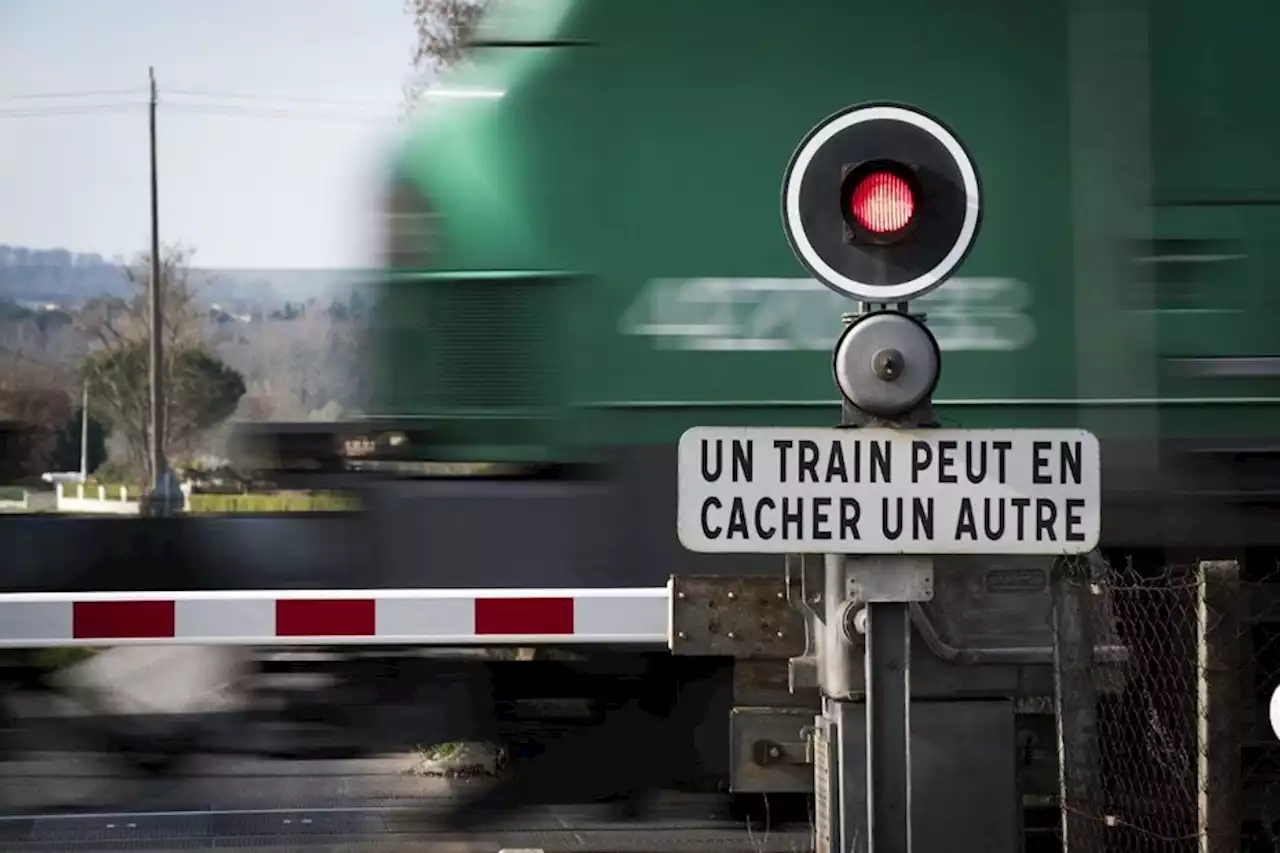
{"x":60,"y":658}
{"x":113,"y":471}
{"x":201,"y":391}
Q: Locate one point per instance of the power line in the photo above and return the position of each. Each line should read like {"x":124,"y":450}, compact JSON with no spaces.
{"x":80,"y":110}
{"x":211,"y":109}
{"x":236,"y":111}
{"x":299,"y":99}
{"x":41,"y":96}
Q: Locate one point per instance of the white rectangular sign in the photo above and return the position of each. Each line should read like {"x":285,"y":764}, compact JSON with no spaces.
{"x":777,"y":490}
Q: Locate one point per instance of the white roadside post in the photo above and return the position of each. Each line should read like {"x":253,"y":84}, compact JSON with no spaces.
{"x":881,"y":203}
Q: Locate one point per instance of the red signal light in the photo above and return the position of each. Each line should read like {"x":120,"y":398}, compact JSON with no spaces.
{"x":882,"y":203}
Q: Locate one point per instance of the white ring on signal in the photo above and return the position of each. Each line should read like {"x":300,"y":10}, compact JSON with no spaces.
{"x":1274,"y":712}
{"x":906,"y":290}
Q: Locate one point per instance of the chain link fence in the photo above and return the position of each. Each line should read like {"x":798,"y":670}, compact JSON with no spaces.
{"x":1168,"y":746}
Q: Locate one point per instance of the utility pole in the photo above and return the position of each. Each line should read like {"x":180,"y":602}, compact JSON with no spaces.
{"x":157,"y":352}
{"x":165,"y":497}
{"x":84,"y":433}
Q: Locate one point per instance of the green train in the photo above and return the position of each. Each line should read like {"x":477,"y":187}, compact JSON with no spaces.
{"x":586,"y":250}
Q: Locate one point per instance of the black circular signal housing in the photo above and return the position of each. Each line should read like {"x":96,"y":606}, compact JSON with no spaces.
{"x":881,"y":202}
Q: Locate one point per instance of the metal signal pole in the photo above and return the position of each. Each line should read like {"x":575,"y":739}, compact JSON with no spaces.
{"x":157,"y":393}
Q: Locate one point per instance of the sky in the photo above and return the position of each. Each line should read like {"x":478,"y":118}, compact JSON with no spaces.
{"x":254,"y":171}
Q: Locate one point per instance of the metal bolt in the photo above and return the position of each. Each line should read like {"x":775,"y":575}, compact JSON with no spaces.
{"x":860,"y":621}
{"x":887,"y":364}
{"x":774,"y":752}
{"x":781,"y":634}
{"x":681,"y":635}
{"x":680,"y":594}
{"x":816,"y":598}
{"x":731,"y":635}
{"x":780,"y":596}
{"x":732,"y":595}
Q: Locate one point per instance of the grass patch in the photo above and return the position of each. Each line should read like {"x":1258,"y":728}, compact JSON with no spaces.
{"x":60,"y":658}
{"x":441,"y":751}
{"x":277,"y":502}
{"x":459,"y":760}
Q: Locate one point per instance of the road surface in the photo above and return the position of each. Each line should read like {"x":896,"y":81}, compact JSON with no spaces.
{"x":56,"y":796}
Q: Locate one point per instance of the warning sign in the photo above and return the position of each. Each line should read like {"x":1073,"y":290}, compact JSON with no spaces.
{"x":881,"y":491}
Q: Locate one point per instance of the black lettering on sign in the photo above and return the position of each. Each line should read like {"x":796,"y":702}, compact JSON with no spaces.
{"x":763,"y":532}
{"x":965,"y":523}
{"x":1038,"y":462}
{"x":712,"y":473}
{"x":743,"y":461}
{"x":993,"y":517}
{"x":1021,"y":504}
{"x":836,"y":472}
{"x":808,"y":460}
{"x":742,"y":468}
{"x":946,"y":458}
{"x":1001,"y":448}
{"x":922,"y":518}
{"x":1073,"y":532}
{"x":1069,"y":462}
{"x":880,"y":457}
{"x":850,"y":512}
{"x":893,"y":510}
{"x":737,"y":520}
{"x":707,"y":530}
{"x":1046,"y":517}
{"x":921,"y":459}
{"x":782,"y":445}
{"x":820,"y":507}
{"x":891,"y":521}
{"x":792,"y":519}
{"x":975,"y":461}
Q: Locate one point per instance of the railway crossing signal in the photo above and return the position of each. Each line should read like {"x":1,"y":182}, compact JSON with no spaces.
{"x":881,"y":203}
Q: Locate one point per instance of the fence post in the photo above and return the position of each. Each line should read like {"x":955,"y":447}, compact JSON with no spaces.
{"x":1218,"y":627}
{"x":1076,"y":711}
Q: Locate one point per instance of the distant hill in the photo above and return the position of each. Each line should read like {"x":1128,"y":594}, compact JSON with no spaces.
{"x":60,"y":276}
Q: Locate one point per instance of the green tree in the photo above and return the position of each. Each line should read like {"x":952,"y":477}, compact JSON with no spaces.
{"x":200,"y":392}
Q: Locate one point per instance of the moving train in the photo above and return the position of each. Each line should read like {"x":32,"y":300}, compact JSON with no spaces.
{"x":586,"y":254}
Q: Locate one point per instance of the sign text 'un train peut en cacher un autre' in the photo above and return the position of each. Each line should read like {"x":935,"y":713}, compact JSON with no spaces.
{"x":888,"y":491}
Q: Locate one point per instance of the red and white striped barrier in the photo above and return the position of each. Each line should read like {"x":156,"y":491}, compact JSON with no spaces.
{"x":403,"y":616}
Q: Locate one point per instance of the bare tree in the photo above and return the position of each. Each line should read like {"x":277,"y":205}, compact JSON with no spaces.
{"x":442,"y":28}
{"x":298,"y":367}
{"x":200,"y":390}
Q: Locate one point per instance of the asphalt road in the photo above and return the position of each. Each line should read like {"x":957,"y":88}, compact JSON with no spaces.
{"x":68,"y":801}
{"x":55,"y":796}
